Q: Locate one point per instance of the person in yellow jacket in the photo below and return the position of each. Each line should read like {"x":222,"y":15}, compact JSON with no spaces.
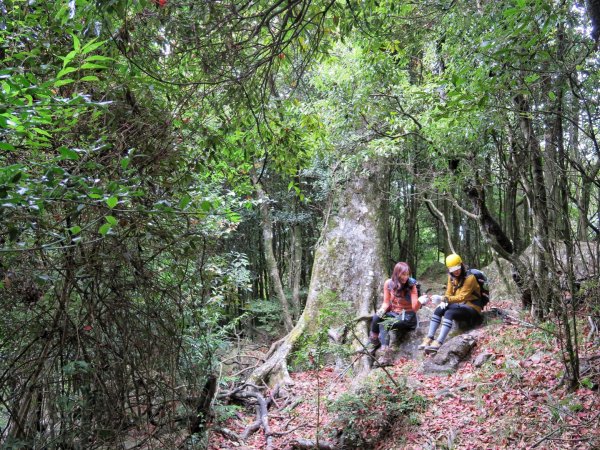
{"x":462,"y":301}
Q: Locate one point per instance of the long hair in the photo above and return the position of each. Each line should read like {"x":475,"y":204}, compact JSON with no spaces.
{"x":396,"y":285}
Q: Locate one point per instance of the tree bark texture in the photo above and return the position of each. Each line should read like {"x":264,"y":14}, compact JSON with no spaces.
{"x":541,"y":293}
{"x":349,"y":262}
{"x":296,"y":266}
{"x":267,"y":233}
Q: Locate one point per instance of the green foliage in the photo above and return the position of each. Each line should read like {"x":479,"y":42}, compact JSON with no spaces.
{"x":225,"y":412}
{"x":312,"y":349}
{"x":587,"y":296}
{"x":132,"y":134}
{"x":265,"y":314}
{"x":364,"y":418}
{"x":109,"y":264}
{"x":588,"y":383}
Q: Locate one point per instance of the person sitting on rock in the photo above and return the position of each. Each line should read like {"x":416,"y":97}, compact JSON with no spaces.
{"x":462,"y":301}
{"x":400,"y":303}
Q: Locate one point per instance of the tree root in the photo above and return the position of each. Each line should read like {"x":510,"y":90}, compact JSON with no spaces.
{"x":274,"y":370}
{"x":310,"y":444}
{"x":262,"y":416}
{"x":231,"y":435}
{"x":508,"y":318}
{"x":593,"y":327}
{"x":253,"y":396}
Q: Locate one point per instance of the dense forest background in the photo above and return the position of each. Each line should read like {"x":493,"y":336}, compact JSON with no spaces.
{"x":180,"y":176}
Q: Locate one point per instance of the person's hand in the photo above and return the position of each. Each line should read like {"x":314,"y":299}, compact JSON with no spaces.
{"x":381,"y":311}
{"x":423,"y":299}
{"x":443,"y":305}
{"x":436,"y":299}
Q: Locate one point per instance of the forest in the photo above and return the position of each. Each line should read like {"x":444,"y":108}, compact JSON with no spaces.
{"x":201,"y":200}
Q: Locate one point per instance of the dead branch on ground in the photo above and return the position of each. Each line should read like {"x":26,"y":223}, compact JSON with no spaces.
{"x":309,"y":444}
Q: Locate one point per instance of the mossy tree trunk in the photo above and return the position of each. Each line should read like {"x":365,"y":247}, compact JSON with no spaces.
{"x":349,"y":262}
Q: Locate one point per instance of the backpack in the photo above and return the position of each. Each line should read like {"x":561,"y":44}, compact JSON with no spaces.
{"x":418,"y":288}
{"x":412,"y":281}
{"x":483,"y":286}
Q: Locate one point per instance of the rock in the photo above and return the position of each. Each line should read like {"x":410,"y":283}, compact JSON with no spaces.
{"x":413,"y":384}
{"x":449,"y":355}
{"x":536,"y":358}
{"x":482,"y":358}
{"x":405,"y":346}
{"x":385,"y":358}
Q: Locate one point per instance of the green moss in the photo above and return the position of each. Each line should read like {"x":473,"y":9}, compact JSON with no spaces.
{"x":313,"y":345}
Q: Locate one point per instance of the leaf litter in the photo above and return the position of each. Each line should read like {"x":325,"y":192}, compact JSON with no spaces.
{"x":514,"y":400}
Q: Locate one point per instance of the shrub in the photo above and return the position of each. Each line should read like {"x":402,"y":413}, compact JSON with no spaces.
{"x":265,"y":315}
{"x":363,"y":418}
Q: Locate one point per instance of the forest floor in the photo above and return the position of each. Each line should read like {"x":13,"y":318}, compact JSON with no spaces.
{"x":514,"y":400}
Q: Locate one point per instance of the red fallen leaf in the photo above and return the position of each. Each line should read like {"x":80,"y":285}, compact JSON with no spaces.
{"x":539,"y":378}
{"x":87,"y":328}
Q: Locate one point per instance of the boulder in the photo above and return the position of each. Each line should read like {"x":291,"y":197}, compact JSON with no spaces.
{"x":449,"y":356}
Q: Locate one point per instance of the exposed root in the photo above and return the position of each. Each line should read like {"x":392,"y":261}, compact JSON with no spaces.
{"x":593,"y":321}
{"x":262,"y":416}
{"x":274,"y":370}
{"x":232,"y":436}
{"x":511,"y":319}
{"x":310,"y":444}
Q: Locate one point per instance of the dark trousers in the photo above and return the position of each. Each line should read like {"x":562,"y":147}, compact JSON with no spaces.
{"x":407,"y":323}
{"x":459,"y":312}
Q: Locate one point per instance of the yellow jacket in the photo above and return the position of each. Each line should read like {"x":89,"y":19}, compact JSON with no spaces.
{"x":466,"y":293}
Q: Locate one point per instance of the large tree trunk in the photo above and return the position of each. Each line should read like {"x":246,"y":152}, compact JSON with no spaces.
{"x":349,"y":262}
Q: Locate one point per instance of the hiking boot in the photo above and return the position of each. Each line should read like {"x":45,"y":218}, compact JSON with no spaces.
{"x":386,"y":358}
{"x":426,"y":343}
{"x":433,"y":347}
{"x":374,"y":344}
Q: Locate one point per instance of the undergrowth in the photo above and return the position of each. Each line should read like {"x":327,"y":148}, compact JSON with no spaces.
{"x":363,"y":418}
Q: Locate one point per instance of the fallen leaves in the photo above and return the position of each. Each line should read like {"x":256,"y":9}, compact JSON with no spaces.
{"x":512,"y":401}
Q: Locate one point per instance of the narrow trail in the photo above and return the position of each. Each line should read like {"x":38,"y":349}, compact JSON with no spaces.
{"x":513,"y":400}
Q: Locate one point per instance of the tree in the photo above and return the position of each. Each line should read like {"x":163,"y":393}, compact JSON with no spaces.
{"x":110,"y":271}
{"x":349,"y":263}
